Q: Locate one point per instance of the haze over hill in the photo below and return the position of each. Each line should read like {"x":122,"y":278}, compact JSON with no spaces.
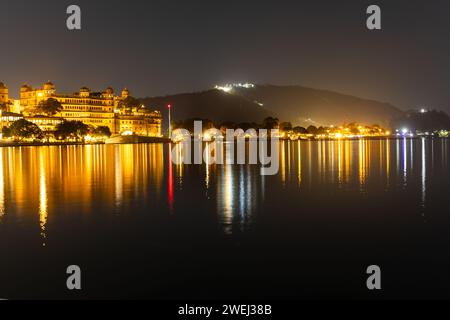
{"x":304,"y":106}
{"x":214,"y":105}
{"x":299,"y":105}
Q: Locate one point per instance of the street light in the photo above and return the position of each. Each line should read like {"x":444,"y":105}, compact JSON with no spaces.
{"x":169,"y":106}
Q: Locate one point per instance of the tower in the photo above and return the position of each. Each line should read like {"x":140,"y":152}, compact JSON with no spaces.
{"x":125,"y":93}
{"x":49,"y":89}
{"x":85,"y":92}
{"x":4,"y":93}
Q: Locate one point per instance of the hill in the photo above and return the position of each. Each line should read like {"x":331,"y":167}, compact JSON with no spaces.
{"x":214,"y":105}
{"x":299,"y":105}
{"x":304,"y":106}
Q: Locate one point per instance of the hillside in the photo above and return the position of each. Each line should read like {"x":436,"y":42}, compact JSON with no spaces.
{"x":299,"y":105}
{"x":304,"y":106}
{"x":214,"y":105}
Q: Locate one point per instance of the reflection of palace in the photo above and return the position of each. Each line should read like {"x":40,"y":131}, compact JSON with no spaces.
{"x":91,"y":108}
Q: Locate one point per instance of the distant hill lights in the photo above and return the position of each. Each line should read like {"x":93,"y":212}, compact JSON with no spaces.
{"x":229,"y":87}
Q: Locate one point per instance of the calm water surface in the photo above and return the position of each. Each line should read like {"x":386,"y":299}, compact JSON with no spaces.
{"x":140,"y":227}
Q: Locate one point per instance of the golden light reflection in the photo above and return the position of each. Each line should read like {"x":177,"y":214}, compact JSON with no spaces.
{"x":340,"y":165}
{"x":289,"y":160}
{"x":362,"y":161}
{"x":309,"y":162}
{"x":43,"y":213}
{"x":207,"y":167}
{"x":228,"y":196}
{"x":118,"y":180}
{"x":170,"y":178}
{"x":113,"y":178}
{"x":388,"y":160}
{"x":2,"y":186}
{"x":331,"y":152}
{"x":319,"y":156}
{"x":348,"y":159}
{"x":180,"y":165}
{"x":299,"y":163}
{"x":283,"y":163}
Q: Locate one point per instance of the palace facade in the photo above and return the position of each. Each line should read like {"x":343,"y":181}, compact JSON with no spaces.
{"x":91,"y":108}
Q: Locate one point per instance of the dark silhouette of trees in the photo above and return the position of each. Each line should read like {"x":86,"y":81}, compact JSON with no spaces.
{"x":49,"y":107}
{"x":101,"y":131}
{"x":286,"y":126}
{"x":271,"y":123}
{"x":189,"y":124}
{"x":312,"y":130}
{"x":71,"y":130}
{"x":23,"y":129}
{"x":5,"y":106}
{"x":300,"y":130}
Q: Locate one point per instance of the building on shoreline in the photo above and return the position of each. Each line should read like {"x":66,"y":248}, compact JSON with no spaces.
{"x":4,"y":93}
{"x":92,"y":108}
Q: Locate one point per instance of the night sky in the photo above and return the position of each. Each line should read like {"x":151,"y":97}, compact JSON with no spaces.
{"x":166,"y":47}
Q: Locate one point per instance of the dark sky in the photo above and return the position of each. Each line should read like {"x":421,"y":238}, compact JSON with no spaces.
{"x":165,"y":47}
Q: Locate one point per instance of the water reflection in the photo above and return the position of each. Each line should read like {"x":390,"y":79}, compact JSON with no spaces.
{"x":424,"y":174}
{"x":2,"y":187}
{"x":170,"y":178}
{"x":42,"y":197}
{"x":240,"y":192}
{"x":40,"y":185}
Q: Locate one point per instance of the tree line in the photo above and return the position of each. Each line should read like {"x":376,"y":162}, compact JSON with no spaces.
{"x":268,"y":124}
{"x":65,"y":131}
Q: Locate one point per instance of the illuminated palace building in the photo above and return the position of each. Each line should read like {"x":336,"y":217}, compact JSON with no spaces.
{"x":91,"y":108}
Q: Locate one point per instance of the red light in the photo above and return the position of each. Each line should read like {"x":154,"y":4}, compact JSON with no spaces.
{"x":169,"y":106}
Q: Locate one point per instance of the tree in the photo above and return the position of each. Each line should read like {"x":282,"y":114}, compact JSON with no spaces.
{"x":312,"y":130}
{"x":227,"y":125}
{"x":271,"y":123}
{"x":129,"y":103}
{"x":189,"y":124}
{"x":300,"y":130}
{"x":23,"y":129}
{"x":71,"y":129}
{"x":6,"y":132}
{"x":5,"y":106}
{"x":286,"y":126}
{"x":321,"y":130}
{"x":102,"y":131}
{"x":49,"y":107}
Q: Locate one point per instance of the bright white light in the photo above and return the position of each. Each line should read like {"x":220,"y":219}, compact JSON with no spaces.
{"x":423,"y":110}
{"x":206,"y":137}
{"x":229,"y":87}
{"x":226,"y":88}
{"x":405,"y":131}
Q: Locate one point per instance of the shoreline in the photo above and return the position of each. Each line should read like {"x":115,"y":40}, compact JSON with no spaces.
{"x":148,"y":140}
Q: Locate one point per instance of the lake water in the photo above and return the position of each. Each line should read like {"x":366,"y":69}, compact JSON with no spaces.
{"x":140,"y":227}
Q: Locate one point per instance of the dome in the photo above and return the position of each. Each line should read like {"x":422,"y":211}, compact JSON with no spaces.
{"x":125,"y":92}
{"x":25,"y":87}
{"x":85,"y":89}
{"x":3,"y":86}
{"x":109,"y":90}
{"x":49,"y":85}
